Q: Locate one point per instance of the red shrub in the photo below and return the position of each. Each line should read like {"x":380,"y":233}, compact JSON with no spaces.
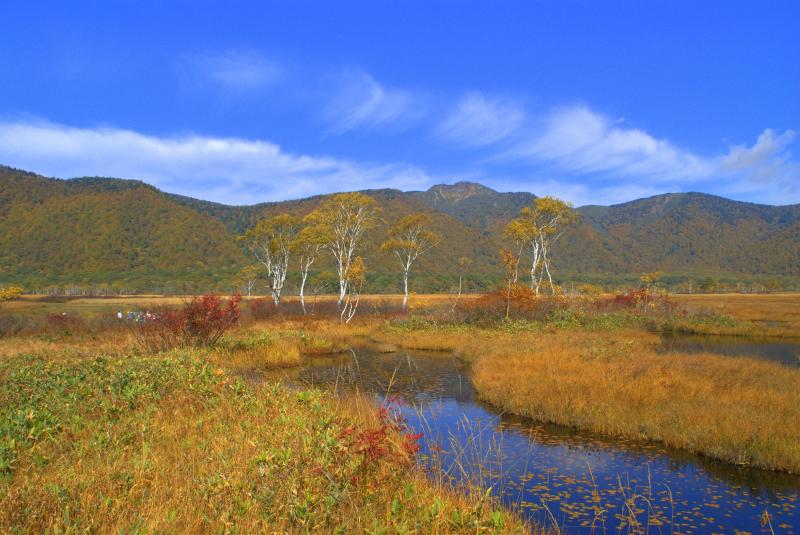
{"x":376,"y":445}
{"x":201,"y":322}
{"x":206,"y":318}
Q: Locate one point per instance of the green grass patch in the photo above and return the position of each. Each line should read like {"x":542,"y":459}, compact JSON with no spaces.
{"x":171,"y":443}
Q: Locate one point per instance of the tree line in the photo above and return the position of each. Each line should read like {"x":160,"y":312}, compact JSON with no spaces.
{"x":337,"y":229}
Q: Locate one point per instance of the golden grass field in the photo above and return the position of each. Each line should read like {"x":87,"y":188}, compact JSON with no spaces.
{"x":188,"y":449}
{"x":782,"y":309}
{"x":102,"y":434}
{"x":744,"y":411}
{"x":779,"y":307}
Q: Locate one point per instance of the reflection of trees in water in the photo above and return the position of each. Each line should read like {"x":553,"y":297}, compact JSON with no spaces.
{"x":418,"y":379}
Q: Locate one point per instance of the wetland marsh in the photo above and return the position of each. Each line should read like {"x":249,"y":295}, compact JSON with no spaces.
{"x":554,"y":475}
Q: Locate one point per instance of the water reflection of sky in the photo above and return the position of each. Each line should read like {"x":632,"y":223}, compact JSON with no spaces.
{"x":552,"y":473}
{"x":786,"y":352}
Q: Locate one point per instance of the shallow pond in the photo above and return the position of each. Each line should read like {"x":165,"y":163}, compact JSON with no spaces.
{"x":583,"y":482}
{"x":785,"y":352}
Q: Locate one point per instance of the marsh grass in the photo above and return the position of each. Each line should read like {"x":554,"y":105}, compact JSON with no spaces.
{"x":172,"y":444}
{"x":753,"y":314}
{"x":742,"y":410}
{"x":613,"y":381}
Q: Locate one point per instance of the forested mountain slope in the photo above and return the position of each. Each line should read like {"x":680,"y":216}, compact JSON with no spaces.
{"x":96,"y":229}
{"x":689,"y":232}
{"x":102,"y":230}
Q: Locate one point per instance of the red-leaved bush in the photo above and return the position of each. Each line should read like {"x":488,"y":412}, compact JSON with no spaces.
{"x":641,"y":299}
{"x":206,"y":318}
{"x":378,"y":445}
{"x":200,"y":323}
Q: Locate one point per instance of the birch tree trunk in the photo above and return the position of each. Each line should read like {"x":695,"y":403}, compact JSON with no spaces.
{"x":405,"y":289}
{"x":303,"y":278}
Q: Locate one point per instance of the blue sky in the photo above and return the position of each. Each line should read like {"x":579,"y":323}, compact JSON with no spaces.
{"x":241,"y":102}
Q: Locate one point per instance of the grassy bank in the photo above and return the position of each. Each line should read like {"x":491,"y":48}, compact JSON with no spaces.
{"x":742,"y":411}
{"x":752,"y":314}
{"x":170,"y":443}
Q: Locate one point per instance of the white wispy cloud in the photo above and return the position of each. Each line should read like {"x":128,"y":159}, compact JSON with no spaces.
{"x":578,"y":155}
{"x":231,"y":170}
{"x":619,"y":162}
{"x":478,"y":120}
{"x":768,"y":161}
{"x":236,"y":69}
{"x":581,"y":141}
{"x":361,"y":102}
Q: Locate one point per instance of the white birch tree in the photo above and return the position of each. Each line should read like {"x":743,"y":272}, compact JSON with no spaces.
{"x":463,"y":264}
{"x":355,"y":275}
{"x":343,"y":219}
{"x":270,"y":243}
{"x":519,"y":232}
{"x":307,"y":246}
{"x":555,"y":216}
{"x":409,"y":239}
{"x":539,"y":227}
{"x":247,"y":278}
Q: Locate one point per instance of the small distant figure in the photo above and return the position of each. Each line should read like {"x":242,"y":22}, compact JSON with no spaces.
{"x":119,"y":315}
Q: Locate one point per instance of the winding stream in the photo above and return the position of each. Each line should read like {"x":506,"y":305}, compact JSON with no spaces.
{"x":583,"y":482}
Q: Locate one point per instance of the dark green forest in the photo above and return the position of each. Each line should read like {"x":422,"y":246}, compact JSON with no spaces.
{"x":113,"y":235}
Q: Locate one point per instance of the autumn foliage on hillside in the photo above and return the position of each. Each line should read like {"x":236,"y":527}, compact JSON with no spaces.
{"x":110,"y":236}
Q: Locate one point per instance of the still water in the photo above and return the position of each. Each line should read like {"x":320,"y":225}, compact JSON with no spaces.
{"x":582,"y":482}
{"x":786,"y":352}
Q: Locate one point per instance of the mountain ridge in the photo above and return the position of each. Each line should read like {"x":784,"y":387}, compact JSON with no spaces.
{"x":107,"y":229}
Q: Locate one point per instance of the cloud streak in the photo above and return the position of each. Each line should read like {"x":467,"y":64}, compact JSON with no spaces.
{"x":577,"y":140}
{"x":574,"y":146}
{"x":230,"y":170}
{"x":572,"y":152}
{"x":237,"y":70}
{"x":360,"y":102}
{"x":768,"y":161}
{"x":478,"y":120}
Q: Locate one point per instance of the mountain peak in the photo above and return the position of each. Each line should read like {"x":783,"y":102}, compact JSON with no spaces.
{"x":460,"y":190}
